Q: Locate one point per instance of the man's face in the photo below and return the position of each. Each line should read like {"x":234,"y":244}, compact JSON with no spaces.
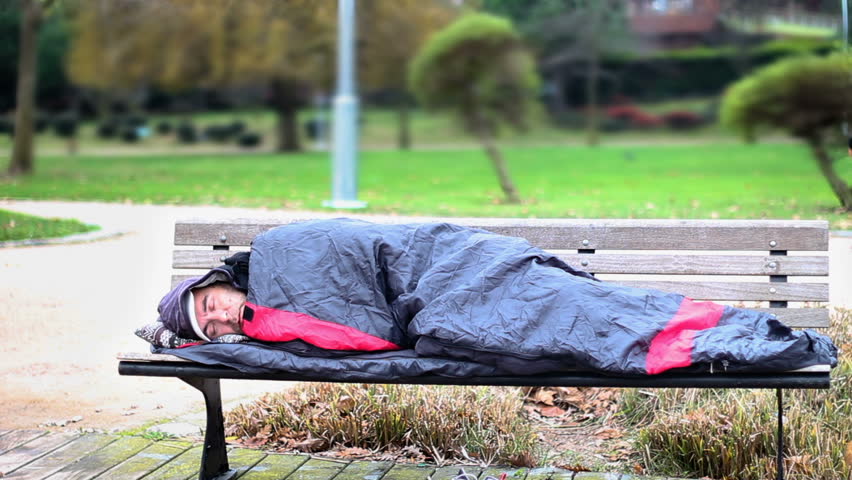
{"x":219,"y":310}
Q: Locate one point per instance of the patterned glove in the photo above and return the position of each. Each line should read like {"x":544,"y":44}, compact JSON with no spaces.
{"x":158,"y":335}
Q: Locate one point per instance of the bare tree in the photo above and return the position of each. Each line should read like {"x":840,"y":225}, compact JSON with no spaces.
{"x":32,"y":14}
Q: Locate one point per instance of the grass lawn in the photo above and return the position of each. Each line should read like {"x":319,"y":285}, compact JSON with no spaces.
{"x":706,"y":181}
{"x":18,"y":226}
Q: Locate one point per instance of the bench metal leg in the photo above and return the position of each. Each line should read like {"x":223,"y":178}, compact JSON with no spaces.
{"x":214,"y":457}
{"x":779,"y":455}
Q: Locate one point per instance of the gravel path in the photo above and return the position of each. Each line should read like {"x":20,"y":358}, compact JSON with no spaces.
{"x":67,"y":309}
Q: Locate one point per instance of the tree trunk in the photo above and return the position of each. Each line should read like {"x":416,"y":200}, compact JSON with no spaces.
{"x":288,"y":131}
{"x":23,"y":150}
{"x":826,"y":166}
{"x":500,"y":167}
{"x":403,"y":134}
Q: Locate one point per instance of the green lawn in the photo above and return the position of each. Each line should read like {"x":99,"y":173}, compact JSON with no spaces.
{"x":18,"y":226}
{"x":701,"y":181}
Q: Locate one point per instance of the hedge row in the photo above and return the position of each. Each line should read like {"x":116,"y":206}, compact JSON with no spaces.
{"x":691,"y":72}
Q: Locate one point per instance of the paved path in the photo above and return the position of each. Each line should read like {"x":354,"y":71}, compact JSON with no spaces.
{"x":36,"y":455}
{"x":66,"y":310}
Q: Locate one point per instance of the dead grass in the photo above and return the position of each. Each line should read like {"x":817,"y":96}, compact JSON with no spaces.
{"x":482,"y":425}
{"x":730,"y":434}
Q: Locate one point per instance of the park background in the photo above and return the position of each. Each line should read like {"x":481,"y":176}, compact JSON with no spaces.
{"x":580,"y":109}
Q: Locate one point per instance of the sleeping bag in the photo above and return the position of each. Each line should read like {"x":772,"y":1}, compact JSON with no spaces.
{"x":464,"y":301}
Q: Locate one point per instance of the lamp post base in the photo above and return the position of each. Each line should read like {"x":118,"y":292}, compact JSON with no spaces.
{"x":344,"y":204}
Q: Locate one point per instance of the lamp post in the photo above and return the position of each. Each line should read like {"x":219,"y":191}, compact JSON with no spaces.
{"x":344,"y":176}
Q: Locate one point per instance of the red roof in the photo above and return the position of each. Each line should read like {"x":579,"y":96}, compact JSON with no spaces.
{"x":702,"y":17}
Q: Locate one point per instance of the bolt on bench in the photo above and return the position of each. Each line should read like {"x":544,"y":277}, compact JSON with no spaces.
{"x":778,"y":266}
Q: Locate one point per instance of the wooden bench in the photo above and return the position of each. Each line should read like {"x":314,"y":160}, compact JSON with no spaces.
{"x":780,"y":266}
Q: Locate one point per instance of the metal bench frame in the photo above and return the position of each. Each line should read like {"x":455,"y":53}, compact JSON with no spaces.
{"x":587,"y":237}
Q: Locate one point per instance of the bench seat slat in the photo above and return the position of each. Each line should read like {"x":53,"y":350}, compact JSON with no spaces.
{"x":792,"y":379}
{"x":621,"y":263}
{"x":161,"y":357}
{"x":790,"y":235}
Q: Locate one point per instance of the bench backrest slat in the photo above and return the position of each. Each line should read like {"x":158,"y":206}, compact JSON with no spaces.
{"x":734,"y":261}
{"x":797,"y":235}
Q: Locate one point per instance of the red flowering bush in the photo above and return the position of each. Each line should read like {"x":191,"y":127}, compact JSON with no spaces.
{"x":635,"y":116}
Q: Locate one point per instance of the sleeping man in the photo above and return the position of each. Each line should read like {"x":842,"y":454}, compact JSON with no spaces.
{"x":436,"y":298}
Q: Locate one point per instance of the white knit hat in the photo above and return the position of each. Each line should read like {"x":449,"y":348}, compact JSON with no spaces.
{"x":190,"y":308}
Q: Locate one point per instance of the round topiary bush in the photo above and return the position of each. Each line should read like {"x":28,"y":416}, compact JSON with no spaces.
{"x":186,"y":133}
{"x":805,"y":96}
{"x":136,"y":121}
{"x":479,"y":68}
{"x":65,"y":125}
{"x":7,"y":126}
{"x":107,"y":130}
{"x":41,"y":123}
{"x":249,"y":140}
{"x":218,"y":133}
{"x":130,"y":135}
{"x":164,"y":128}
{"x":237,"y":127}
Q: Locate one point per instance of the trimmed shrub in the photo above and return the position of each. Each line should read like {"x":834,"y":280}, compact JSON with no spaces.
{"x":314,"y":127}
{"x":65,"y":125}
{"x":135,"y":121}
{"x":186,"y":133}
{"x":807,"y":97}
{"x":237,"y":127}
{"x":41,"y":123}
{"x":7,"y":126}
{"x":697,"y":71}
{"x":249,"y":140}
{"x":107,"y":130}
{"x":164,"y":128}
{"x":218,"y":133}
{"x":130,"y":135}
{"x":801,"y":95}
{"x":478,"y":67}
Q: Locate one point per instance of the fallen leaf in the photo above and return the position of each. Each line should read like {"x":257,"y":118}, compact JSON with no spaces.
{"x":544,"y":396}
{"x":574,"y":468}
{"x":309,"y":445}
{"x":847,"y":455}
{"x":608,"y":433}
{"x":551,"y":412}
{"x":799,"y":463}
{"x":355,"y":452}
{"x":256,"y":441}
